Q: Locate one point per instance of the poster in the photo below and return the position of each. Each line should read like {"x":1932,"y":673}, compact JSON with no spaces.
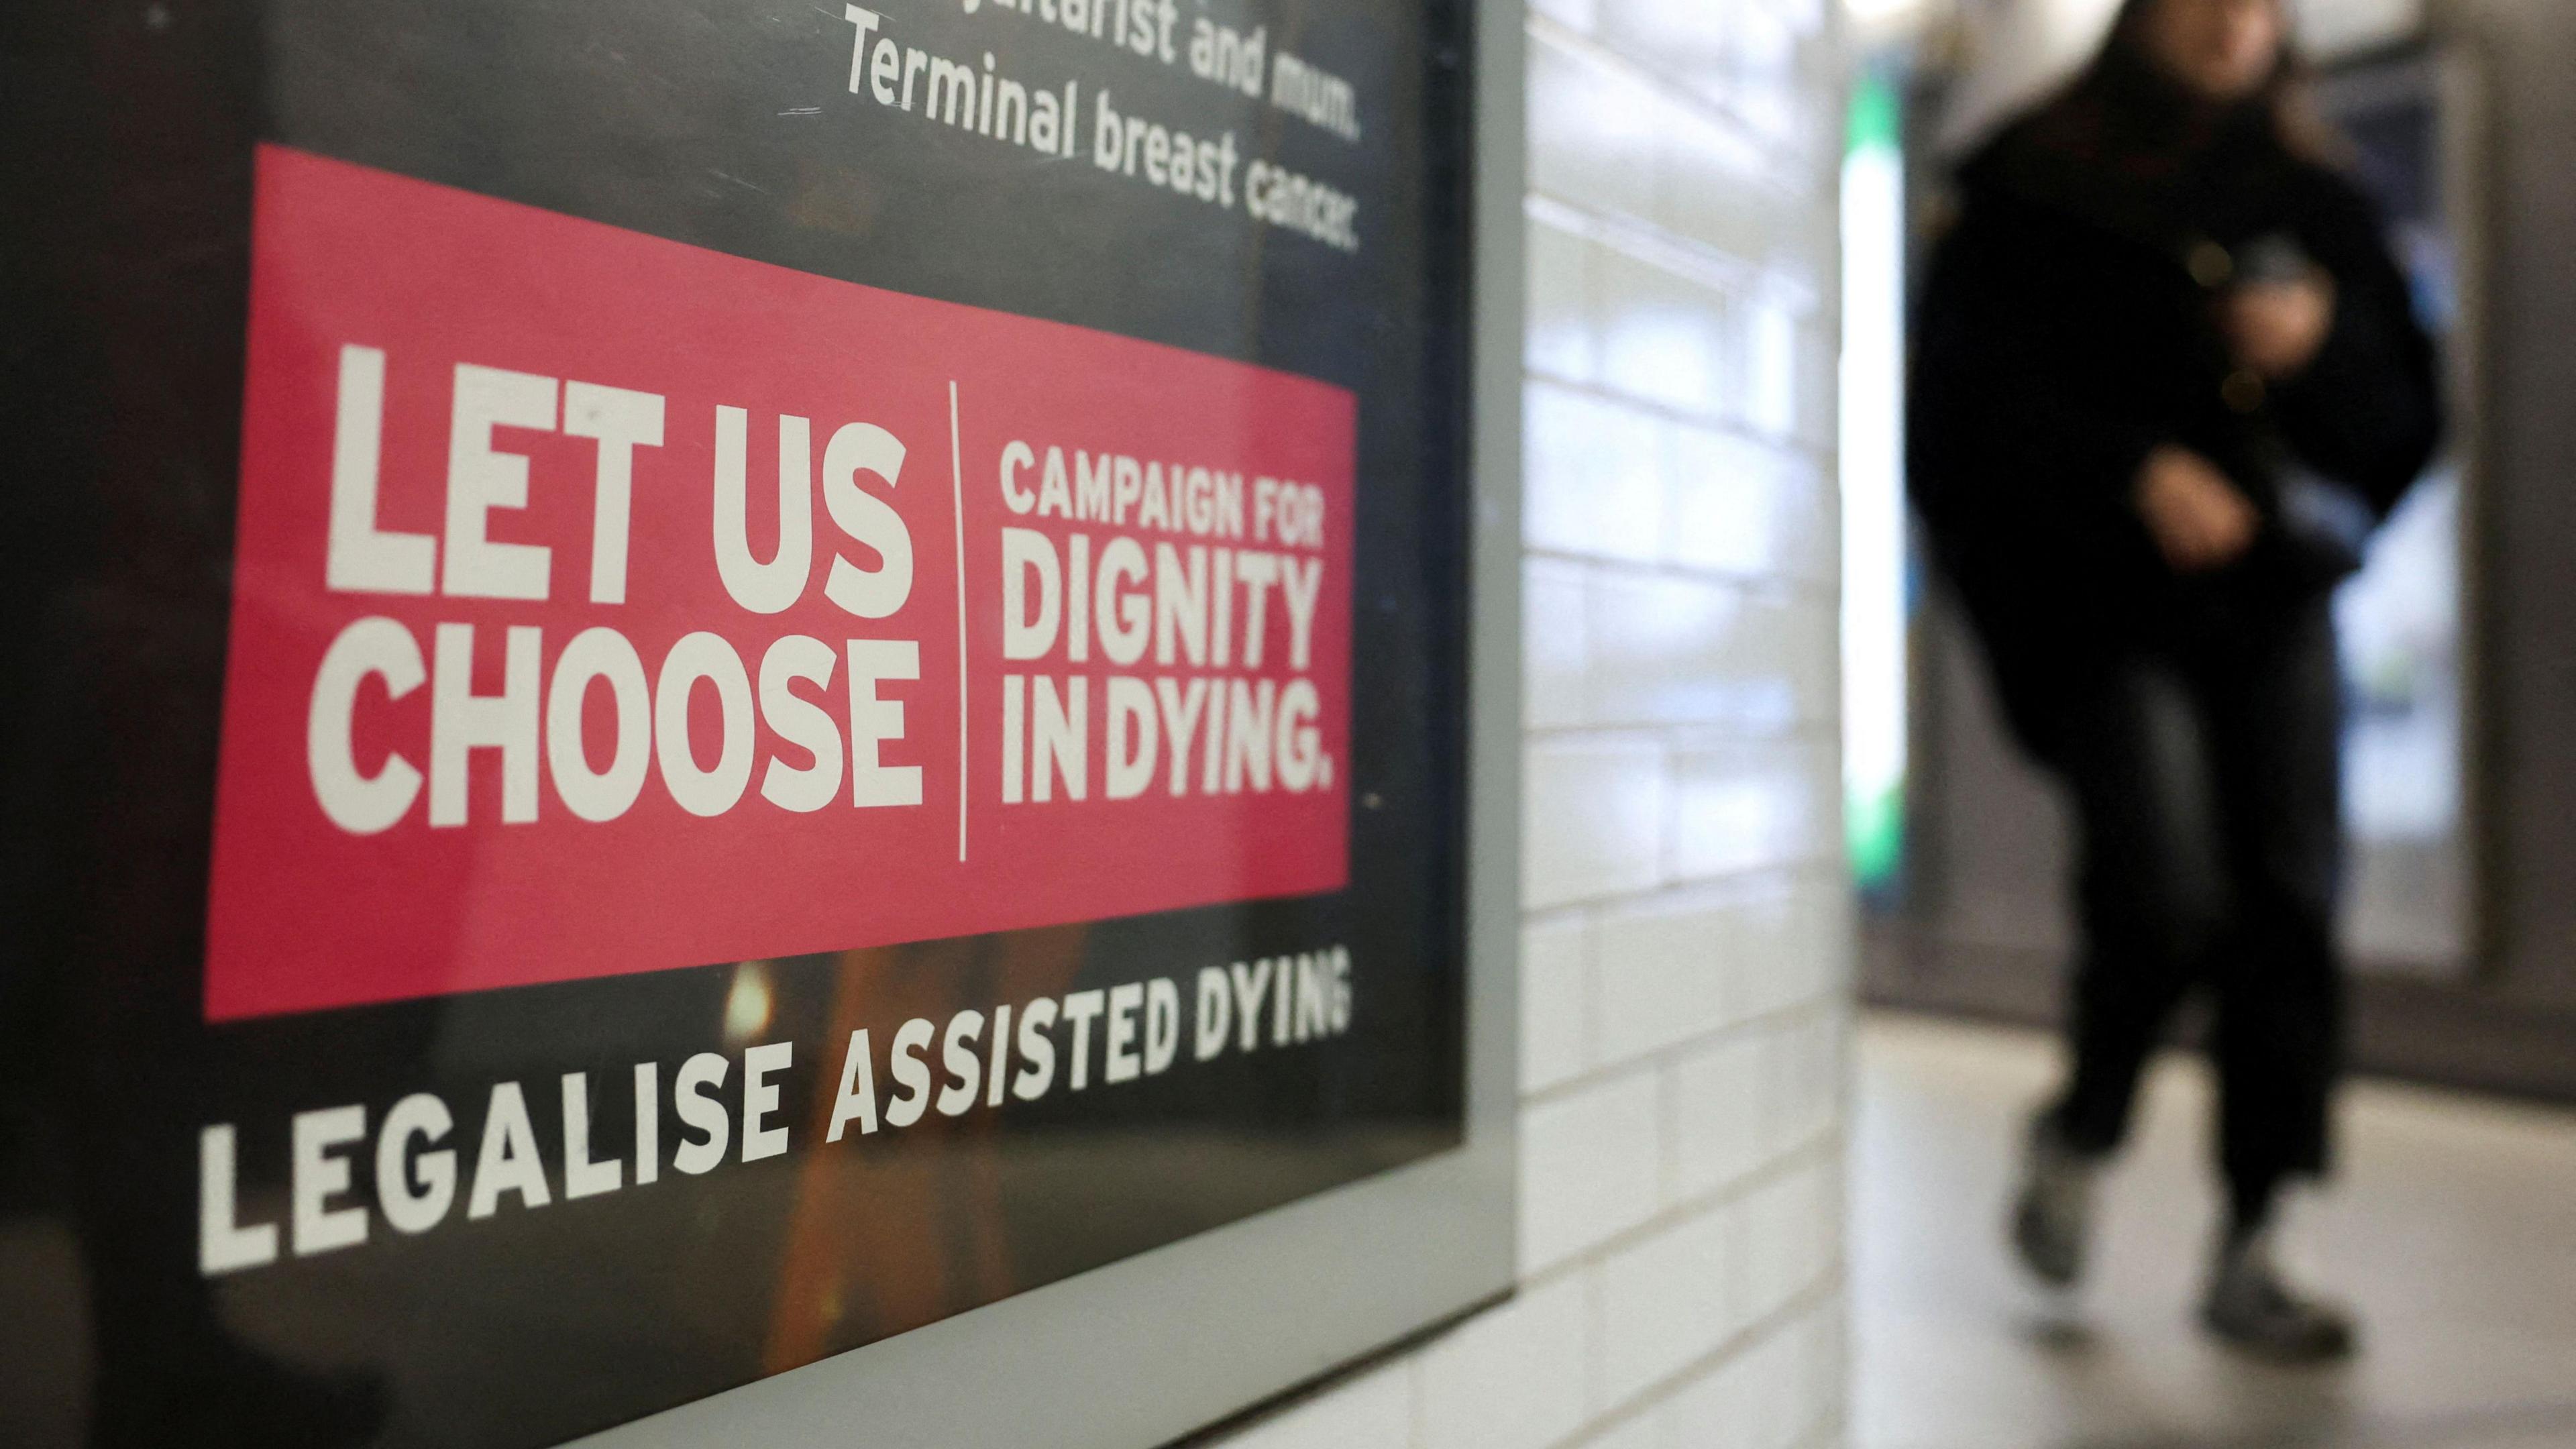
{"x":698,"y":683}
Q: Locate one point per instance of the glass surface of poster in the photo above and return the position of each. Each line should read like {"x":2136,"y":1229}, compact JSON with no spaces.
{"x":696,"y":684}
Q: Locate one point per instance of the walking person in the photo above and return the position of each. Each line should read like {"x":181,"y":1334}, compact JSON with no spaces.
{"x":2167,"y":378}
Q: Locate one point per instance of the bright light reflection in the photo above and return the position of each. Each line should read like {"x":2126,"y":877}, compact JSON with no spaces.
{"x":1873,"y":486}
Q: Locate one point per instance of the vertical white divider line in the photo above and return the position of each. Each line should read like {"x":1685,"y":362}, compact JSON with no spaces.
{"x":957,"y":477}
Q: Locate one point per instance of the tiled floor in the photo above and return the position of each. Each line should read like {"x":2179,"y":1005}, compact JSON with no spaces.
{"x":2452,"y":1229}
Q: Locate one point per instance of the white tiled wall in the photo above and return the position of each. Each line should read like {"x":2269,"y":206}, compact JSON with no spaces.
{"x":1683,"y":973}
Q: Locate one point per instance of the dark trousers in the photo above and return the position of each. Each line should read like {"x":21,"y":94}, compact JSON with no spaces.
{"x":2205,"y":780}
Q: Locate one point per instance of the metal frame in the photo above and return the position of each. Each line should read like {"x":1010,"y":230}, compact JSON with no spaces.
{"x":1148,"y":1349}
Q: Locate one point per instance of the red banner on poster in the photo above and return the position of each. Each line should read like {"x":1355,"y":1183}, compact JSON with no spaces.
{"x":604,"y":604}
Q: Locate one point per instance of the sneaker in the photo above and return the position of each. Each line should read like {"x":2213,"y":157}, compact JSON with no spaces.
{"x":2053,"y":1216}
{"x":2252,"y":1308}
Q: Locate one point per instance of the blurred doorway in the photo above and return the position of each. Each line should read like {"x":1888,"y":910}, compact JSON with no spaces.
{"x":1936,"y":835}
{"x":2461,"y":731}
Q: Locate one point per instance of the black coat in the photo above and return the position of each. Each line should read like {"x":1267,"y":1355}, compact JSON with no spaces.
{"x":2068,"y":327}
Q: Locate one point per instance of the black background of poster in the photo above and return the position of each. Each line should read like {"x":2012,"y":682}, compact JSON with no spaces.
{"x":124,"y":251}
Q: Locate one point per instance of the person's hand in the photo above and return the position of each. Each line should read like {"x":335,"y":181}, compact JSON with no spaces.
{"x":2277,"y":328}
{"x":2198,"y":519}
